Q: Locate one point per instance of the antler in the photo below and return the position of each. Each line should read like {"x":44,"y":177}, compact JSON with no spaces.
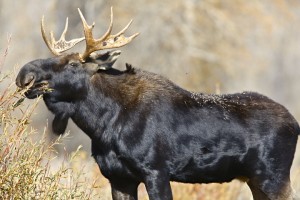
{"x":107,"y":41}
{"x":57,"y":47}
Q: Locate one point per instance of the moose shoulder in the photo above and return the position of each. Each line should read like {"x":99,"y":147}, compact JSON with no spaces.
{"x":144,"y":128}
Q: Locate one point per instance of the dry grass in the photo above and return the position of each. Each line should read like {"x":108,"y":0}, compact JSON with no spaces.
{"x":26,"y":170}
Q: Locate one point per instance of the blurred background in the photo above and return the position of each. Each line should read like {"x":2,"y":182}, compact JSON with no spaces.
{"x":202,"y":45}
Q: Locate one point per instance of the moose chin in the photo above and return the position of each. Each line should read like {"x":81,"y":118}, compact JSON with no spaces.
{"x":145,"y":129}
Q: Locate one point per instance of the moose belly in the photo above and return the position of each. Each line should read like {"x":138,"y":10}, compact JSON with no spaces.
{"x":208,"y":169}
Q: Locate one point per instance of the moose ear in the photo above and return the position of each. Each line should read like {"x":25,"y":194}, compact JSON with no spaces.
{"x":103,"y":61}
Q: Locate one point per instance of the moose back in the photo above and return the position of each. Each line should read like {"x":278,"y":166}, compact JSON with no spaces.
{"x":145,"y":129}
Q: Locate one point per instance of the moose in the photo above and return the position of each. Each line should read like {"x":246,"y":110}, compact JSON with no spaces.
{"x":146,"y":129}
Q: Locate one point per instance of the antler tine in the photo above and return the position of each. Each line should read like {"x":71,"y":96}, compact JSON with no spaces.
{"x":129,"y":39}
{"x":63,"y":35}
{"x":107,"y":41}
{"x":57,"y":47}
{"x":90,"y":41}
{"x":110,"y":26}
{"x":87,"y":29}
{"x":45,"y":38}
{"x":124,"y":29}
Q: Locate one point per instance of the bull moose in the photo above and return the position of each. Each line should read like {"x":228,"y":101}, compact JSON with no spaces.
{"x":145,"y":129}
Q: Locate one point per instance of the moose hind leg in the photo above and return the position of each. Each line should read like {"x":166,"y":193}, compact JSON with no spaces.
{"x":271,"y":190}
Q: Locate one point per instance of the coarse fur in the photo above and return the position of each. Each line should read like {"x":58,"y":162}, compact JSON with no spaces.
{"x":144,"y":128}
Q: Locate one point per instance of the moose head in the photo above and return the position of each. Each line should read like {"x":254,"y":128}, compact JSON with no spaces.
{"x":63,"y":78}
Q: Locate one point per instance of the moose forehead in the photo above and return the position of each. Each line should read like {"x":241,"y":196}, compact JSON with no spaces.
{"x":65,"y":59}
{"x":61,"y":61}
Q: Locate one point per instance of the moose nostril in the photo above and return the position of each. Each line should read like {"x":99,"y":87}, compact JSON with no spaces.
{"x":24,"y":81}
{"x":28,"y":79}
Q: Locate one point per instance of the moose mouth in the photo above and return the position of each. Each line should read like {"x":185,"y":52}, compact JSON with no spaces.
{"x":36,"y":89}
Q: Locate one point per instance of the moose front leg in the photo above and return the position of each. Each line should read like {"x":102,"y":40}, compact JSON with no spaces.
{"x":158,"y":186}
{"x":124,"y":190}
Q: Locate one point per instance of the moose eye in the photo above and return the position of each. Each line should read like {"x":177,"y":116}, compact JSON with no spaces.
{"x":73,"y":64}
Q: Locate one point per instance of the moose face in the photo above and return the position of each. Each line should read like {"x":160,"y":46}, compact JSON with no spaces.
{"x":47,"y":75}
{"x":63,"y":76}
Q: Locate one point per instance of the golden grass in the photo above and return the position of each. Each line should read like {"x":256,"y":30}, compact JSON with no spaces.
{"x":25,"y":170}
{"x":26,"y":157}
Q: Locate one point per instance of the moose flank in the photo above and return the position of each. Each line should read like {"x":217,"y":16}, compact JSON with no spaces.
{"x":145,"y":129}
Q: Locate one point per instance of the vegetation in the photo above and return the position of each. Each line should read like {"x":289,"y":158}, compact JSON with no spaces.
{"x":26,"y":157}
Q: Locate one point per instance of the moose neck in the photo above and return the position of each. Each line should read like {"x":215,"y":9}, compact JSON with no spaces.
{"x":98,"y":112}
{"x":114,"y":95}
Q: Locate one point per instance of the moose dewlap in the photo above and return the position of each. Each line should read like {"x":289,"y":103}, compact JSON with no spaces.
{"x":144,"y":128}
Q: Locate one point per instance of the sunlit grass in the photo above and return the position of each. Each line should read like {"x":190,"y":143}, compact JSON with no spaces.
{"x":27,"y":159}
